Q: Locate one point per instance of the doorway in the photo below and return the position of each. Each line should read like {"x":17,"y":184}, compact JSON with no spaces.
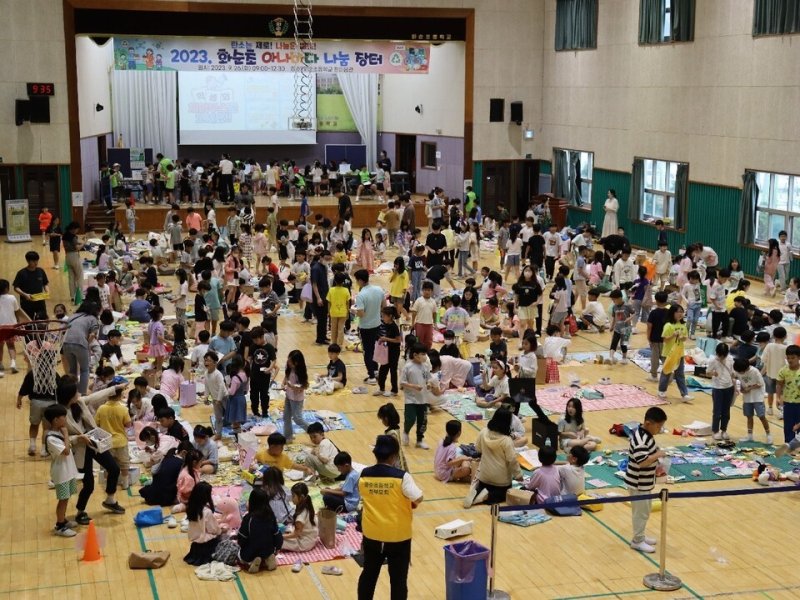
{"x":496,"y":186}
{"x":41,"y":189}
{"x":406,"y":159}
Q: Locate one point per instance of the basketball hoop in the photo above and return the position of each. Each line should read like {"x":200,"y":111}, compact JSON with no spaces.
{"x":42,"y":344}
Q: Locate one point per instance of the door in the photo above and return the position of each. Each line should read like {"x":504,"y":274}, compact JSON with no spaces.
{"x":496,"y":187}
{"x":406,"y":159}
{"x":41,"y":189}
{"x":6,"y":191}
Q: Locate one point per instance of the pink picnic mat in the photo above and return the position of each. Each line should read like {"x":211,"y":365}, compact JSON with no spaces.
{"x":616,"y":395}
{"x":347,"y":542}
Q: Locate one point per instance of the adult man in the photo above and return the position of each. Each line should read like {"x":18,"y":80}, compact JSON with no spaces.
{"x":162,"y":169}
{"x":409,"y":218}
{"x":319,"y":287}
{"x":345,"y":205}
{"x":368,"y":308}
{"x":30,"y":281}
{"x":384,"y":162}
{"x":389,"y":495}
{"x":226,"y":192}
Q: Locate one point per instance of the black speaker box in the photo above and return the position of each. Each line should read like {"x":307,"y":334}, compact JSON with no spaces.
{"x":516,"y":112}
{"x":496,"y":109}
{"x":22,"y":112}
{"x":40,"y":109}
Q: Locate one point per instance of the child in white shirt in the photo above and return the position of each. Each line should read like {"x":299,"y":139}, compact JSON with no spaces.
{"x":573,"y":475}
{"x":751,"y":385}
{"x":554,"y":346}
{"x":720,"y":367}
{"x":594,"y":316}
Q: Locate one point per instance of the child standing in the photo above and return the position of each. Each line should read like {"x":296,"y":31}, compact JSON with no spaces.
{"x":691,"y":296}
{"x":655,"y":328}
{"x":391,"y":421}
{"x":45,"y":218}
{"x":621,"y":316}
{"x":674,"y":336}
{"x":773,"y":359}
{"x":640,"y":475}
{"x":338,"y":299}
{"x":423,"y":312}
{"x":389,"y":334}
{"x":752,"y":387}
{"x":236,"y":410}
{"x":722,"y":390}
{"x":260,"y":246}
{"x":10,"y":314}
{"x":155,"y":333}
{"x":113,"y":416}
{"x":295,"y":382}
{"x":181,"y":298}
{"x":663,"y":260}
{"x":399,"y":284}
{"x":246,"y":244}
{"x":788,"y":391}
{"x":448,"y":465}
{"x":63,"y":472}
{"x":414,"y":381}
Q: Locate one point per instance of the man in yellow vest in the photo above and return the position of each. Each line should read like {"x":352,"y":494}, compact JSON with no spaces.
{"x":389,"y":495}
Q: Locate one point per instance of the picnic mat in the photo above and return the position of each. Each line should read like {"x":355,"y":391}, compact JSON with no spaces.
{"x":331,"y":421}
{"x":711,"y":462}
{"x":615,"y":396}
{"x":347,"y":543}
{"x":460,"y":404}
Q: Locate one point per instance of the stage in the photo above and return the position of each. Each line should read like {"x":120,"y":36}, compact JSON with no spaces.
{"x":365,"y":212}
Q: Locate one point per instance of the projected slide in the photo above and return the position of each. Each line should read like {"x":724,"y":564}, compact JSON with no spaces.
{"x":240,"y":108}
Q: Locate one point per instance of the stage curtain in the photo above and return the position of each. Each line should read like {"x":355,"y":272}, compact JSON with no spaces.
{"x":361,"y":93}
{"x":747,"y":214}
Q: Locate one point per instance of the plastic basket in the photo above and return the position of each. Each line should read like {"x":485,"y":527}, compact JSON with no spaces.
{"x":101,"y":439}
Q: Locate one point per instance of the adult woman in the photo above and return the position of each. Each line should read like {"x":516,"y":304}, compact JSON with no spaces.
{"x":82,"y":328}
{"x":526,"y":292}
{"x":771,"y":260}
{"x":72,"y":256}
{"x":611,"y":207}
{"x":498,"y":466}
{"x":79,"y":422}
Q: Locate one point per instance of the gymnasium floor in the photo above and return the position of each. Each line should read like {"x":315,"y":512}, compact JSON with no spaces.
{"x":738,"y":547}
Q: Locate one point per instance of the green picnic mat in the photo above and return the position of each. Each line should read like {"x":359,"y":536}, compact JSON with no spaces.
{"x":459,"y":404}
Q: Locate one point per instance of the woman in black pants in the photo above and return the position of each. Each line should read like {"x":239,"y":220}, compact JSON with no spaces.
{"x":389,"y":334}
{"x":79,"y":422}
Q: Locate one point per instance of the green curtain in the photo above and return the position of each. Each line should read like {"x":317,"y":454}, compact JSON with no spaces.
{"x":682,"y":12}
{"x":575,"y":196}
{"x":576,"y":24}
{"x":637,"y":190}
{"x":774,"y":17}
{"x":747,"y":216}
{"x":560,"y":173}
{"x":651,"y":21}
{"x":681,"y":195}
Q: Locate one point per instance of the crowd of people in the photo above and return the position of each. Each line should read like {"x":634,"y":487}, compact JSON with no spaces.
{"x":415,"y":340}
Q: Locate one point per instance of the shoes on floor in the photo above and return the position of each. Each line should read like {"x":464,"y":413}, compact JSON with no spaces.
{"x":725,"y":435}
{"x":422,"y":445}
{"x":769,"y":438}
{"x":371,"y":381}
{"x":643,"y":547}
{"x":82,"y":518}
{"x":255,"y":566}
{"x":405,"y":439}
{"x":43,"y":452}
{"x":297,"y":567}
{"x":650,"y":541}
{"x":184,"y":525}
{"x":782,"y":450}
{"x":651,"y":378}
{"x":378,"y":393}
{"x":469,"y":499}
{"x":687,"y":398}
{"x":171,"y":522}
{"x":114,"y":507}
{"x":662,"y":395}
{"x":717,"y":436}
{"x":64,"y":531}
{"x":32,"y":450}
{"x":770,"y":412}
{"x":747,"y":438}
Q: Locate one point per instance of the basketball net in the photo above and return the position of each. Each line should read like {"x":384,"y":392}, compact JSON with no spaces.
{"x":42,"y":344}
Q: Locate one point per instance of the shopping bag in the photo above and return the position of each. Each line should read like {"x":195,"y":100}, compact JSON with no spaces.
{"x":564,"y":511}
{"x":188,"y":394}
{"x":572,"y":324}
{"x":307,"y":294}
{"x":381,"y":353}
{"x":148,"y":560}
{"x":326,"y":524}
{"x":552,"y":375}
{"x":673,"y":359}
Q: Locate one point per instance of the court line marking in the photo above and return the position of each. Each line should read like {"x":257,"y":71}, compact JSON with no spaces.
{"x":53,"y":587}
{"x":317,"y":583}
{"x":606,"y":594}
{"x":143,"y":546}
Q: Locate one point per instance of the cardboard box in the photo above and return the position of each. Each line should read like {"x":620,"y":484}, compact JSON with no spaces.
{"x":453,"y":529}
{"x":515,"y":497}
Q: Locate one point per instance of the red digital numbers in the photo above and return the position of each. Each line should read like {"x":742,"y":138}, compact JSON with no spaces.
{"x":41,"y":89}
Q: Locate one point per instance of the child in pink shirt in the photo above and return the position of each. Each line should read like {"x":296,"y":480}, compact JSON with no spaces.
{"x":546,"y":480}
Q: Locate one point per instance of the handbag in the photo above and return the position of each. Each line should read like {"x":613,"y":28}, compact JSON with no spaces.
{"x":381,"y":353}
{"x":564,"y":511}
{"x":148,"y":559}
{"x":326,"y":523}
{"x":148,"y":517}
{"x":552,"y":375}
{"x":188,"y":394}
{"x":227,"y":552}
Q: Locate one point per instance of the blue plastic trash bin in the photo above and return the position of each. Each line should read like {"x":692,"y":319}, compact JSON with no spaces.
{"x":466,"y":571}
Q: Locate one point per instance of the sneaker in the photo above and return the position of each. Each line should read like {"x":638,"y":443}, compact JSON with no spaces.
{"x":64,"y":531}
{"x":389,"y":394}
{"x":623,"y":361}
{"x":51,"y":485}
{"x":770,"y":412}
{"x":255,"y":566}
{"x":643,"y":547}
{"x":422,"y":445}
{"x":717,"y":436}
{"x":32,"y":450}
{"x":652,"y":378}
{"x":82,"y":518}
{"x":687,"y":398}
{"x":14,"y":369}
{"x":769,"y":438}
{"x":405,"y":439}
{"x":271,"y":563}
{"x":114,"y":507}
{"x":184,"y":525}
{"x":780,"y":414}
{"x":747,"y":438}
{"x":171,"y":522}
{"x":662,"y":395}
{"x":378,"y":393}
{"x":371,"y":381}
{"x":650,"y":541}
{"x":43,"y":452}
{"x":469,"y":499}
{"x":297,"y":567}
{"x":725,"y":435}
{"x":481,"y":497}
{"x":782,"y":450}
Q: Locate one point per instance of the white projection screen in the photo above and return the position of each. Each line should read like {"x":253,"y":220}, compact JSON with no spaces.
{"x":240,"y":108}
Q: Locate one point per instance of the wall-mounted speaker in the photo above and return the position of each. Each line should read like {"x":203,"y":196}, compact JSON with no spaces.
{"x":516,"y":112}
{"x":22,"y":112}
{"x":497,"y":108}
{"x":40,"y":109}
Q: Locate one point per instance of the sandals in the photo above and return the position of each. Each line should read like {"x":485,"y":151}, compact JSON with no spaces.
{"x":329,"y":570}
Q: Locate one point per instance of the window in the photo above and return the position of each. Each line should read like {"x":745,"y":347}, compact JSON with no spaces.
{"x":658,"y":198}
{"x":572,"y":176}
{"x":778,"y":207}
{"x":663,"y":21}
{"x":576,"y":24}
{"x":775,"y":17}
{"x":429,"y":155}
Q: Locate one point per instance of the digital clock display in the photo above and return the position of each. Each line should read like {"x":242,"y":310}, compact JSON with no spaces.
{"x":41,"y":89}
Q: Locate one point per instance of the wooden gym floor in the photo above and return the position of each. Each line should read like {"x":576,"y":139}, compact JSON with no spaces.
{"x":738,"y":547}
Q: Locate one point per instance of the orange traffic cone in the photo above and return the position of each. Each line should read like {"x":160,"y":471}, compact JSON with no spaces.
{"x":91,"y":550}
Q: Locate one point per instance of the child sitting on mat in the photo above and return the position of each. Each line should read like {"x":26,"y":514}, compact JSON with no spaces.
{"x":546,"y":480}
{"x":573,"y":475}
{"x":304,"y":536}
{"x":448,"y":464}
{"x":572,"y":430}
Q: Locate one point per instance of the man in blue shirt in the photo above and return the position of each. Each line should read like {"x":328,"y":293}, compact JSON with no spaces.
{"x":319,"y":288}
{"x":369,"y":302}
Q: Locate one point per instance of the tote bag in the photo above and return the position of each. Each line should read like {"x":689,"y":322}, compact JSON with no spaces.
{"x":381,"y":353}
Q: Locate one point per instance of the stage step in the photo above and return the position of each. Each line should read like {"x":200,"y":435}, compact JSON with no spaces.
{"x":96,"y":218}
